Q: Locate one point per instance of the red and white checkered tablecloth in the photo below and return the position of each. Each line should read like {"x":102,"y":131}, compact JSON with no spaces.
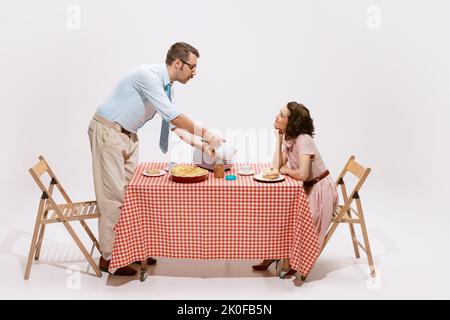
{"x":215,"y":219}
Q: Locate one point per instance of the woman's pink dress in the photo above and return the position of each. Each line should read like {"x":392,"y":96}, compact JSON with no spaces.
{"x":323,"y":195}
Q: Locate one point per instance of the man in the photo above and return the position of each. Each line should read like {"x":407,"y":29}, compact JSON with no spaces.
{"x":143,"y":91}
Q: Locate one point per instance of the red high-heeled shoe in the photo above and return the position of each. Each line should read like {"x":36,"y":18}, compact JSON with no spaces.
{"x":264,"y":265}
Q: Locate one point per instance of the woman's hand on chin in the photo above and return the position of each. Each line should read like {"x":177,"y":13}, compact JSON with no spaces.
{"x":278,"y":133}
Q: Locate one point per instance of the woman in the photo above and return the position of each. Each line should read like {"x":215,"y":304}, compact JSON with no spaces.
{"x":297,"y":156}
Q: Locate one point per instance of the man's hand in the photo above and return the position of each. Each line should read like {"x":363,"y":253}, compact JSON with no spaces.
{"x":210,"y":152}
{"x":213,"y":140}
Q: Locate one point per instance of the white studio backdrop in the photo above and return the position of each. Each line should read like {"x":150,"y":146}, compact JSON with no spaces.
{"x":374,"y":75}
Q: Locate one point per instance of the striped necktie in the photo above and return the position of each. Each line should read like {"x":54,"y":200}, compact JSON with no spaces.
{"x":164,"y":136}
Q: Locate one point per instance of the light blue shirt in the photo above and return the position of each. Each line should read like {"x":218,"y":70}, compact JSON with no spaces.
{"x":138,"y":96}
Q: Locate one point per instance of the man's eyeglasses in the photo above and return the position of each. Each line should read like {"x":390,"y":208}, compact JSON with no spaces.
{"x":191,"y":66}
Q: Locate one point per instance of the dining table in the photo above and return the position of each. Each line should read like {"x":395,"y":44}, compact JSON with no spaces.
{"x":214,"y":219}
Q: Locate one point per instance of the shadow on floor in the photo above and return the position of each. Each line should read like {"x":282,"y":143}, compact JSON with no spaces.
{"x":53,"y":254}
{"x":65,"y":256}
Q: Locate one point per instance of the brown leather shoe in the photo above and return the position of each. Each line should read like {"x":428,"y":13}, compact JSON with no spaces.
{"x":124,"y":271}
{"x":150,"y":261}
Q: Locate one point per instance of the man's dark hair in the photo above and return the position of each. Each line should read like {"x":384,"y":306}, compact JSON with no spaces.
{"x":180,"y":50}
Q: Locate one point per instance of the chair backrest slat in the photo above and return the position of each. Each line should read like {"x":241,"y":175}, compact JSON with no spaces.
{"x":359,"y":171}
{"x":355,"y":168}
{"x":40,"y":168}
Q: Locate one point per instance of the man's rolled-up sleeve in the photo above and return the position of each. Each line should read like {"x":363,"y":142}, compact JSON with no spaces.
{"x":150,"y":87}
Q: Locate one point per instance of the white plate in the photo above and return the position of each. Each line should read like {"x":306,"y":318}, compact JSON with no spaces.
{"x":259,"y":177}
{"x":249,"y":173}
{"x":161,"y":173}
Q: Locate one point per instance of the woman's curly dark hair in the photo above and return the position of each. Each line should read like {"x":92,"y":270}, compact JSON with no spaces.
{"x":299,"y":121}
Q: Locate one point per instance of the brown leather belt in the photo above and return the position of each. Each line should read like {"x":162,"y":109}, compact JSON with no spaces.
{"x":128,"y":133}
{"x":312,"y":182}
{"x":112,"y":125}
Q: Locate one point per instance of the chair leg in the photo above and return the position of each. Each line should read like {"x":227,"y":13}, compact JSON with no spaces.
{"x":328,"y":235}
{"x":39,"y":242}
{"x":83,"y":249}
{"x":368,"y":251}
{"x":366,"y":239}
{"x":34,"y":239}
{"x":40,"y":239}
{"x":90,"y":234}
{"x":355,"y":243}
{"x":30,"y":255}
{"x":143,"y":271}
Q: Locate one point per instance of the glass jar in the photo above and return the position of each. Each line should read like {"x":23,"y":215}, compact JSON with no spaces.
{"x":219,"y":170}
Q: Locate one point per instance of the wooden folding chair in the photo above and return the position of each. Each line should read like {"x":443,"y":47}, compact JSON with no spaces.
{"x":50,"y":212}
{"x":344,"y":212}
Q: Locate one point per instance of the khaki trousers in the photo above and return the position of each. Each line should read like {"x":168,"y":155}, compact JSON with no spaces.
{"x":114,"y":160}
